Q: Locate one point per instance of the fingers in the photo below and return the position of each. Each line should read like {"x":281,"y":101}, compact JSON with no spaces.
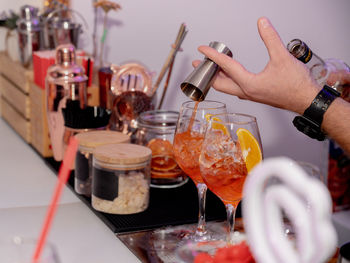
{"x":271,"y":38}
{"x":230,"y":66}
{"x":195,"y":63}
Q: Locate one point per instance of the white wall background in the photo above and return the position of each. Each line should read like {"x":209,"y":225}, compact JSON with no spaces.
{"x":144,"y":30}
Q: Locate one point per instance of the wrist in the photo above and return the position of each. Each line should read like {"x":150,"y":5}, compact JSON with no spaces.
{"x":306,"y":98}
{"x":311,"y":120}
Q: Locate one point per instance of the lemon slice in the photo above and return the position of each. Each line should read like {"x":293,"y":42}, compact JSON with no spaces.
{"x":215,"y":125}
{"x":250,"y":148}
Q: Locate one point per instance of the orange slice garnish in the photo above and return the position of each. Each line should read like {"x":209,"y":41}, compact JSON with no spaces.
{"x":163,"y":162}
{"x":215,"y":125}
{"x":160,"y":147}
{"x":250,"y":147}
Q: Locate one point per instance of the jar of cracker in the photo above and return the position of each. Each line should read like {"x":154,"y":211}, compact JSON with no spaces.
{"x":121,"y":178}
{"x":156,"y":129}
{"x":88,"y":141}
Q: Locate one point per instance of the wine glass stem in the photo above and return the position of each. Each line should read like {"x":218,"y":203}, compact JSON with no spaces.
{"x":231,"y":214}
{"x":201,"y":227}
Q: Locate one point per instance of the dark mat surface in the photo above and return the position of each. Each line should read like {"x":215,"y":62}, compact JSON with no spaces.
{"x":167,"y":207}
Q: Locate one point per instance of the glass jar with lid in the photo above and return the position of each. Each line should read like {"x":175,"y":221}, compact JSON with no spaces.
{"x":156,"y":129}
{"x":88,"y":141}
{"x":121,"y":178}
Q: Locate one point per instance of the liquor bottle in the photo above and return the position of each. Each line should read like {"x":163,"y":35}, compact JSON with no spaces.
{"x":337,"y":164}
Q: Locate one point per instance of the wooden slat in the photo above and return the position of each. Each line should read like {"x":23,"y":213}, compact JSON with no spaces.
{"x":40,"y":139}
{"x":16,"y":97}
{"x":15,"y":120}
{"x":93,"y":95}
{"x":15,"y":72}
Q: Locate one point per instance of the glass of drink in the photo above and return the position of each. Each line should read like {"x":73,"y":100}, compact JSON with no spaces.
{"x":21,"y":250}
{"x":231,"y":148}
{"x":188,"y":139}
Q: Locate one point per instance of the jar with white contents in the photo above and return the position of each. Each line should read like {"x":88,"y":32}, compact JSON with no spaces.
{"x":88,"y":141}
{"x":121,"y":178}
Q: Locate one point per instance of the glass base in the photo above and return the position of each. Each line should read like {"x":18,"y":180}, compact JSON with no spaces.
{"x":187,"y":251}
{"x":166,"y":241}
{"x":168,"y":183}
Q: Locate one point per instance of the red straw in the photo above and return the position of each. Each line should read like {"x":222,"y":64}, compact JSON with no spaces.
{"x":63,"y":175}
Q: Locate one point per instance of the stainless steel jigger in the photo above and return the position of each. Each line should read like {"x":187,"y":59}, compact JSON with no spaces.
{"x":198,"y":83}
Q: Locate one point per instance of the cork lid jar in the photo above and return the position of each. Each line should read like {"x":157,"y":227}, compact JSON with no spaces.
{"x":121,"y":178}
{"x":83,"y":161}
{"x":90,"y":140}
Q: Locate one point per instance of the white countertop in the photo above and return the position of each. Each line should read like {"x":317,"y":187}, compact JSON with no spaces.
{"x":26,"y":190}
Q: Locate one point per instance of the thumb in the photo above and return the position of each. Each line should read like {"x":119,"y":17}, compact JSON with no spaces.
{"x":271,"y":38}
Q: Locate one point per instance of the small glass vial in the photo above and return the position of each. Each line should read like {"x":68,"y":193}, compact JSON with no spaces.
{"x":156,"y":129}
{"x":88,"y":141}
{"x":121,"y":178}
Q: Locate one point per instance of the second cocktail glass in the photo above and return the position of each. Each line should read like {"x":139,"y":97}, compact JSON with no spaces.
{"x":189,"y":136}
{"x":231,"y":148}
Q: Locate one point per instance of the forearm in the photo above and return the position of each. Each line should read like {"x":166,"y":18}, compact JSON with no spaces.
{"x":336,"y":123}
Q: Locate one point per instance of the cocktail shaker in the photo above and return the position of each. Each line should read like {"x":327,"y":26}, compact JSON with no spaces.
{"x":30,"y":34}
{"x":61,"y":29}
{"x":64,"y":80}
{"x":198,"y":83}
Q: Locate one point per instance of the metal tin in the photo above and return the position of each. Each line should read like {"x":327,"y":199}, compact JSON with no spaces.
{"x":30,"y":34}
{"x":61,"y":29}
{"x":198,"y":83}
{"x":64,"y":80}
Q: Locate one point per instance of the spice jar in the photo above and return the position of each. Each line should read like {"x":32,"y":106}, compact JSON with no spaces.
{"x":88,"y":141}
{"x":121,"y":178}
{"x":156,"y":130}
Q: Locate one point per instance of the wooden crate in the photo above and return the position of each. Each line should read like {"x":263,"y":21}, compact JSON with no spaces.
{"x":15,"y":72}
{"x":14,"y":90}
{"x":15,"y":96}
{"x":20,"y":124}
{"x":40,"y":139}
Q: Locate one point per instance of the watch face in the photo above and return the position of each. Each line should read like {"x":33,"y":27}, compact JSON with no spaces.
{"x":309,"y":128}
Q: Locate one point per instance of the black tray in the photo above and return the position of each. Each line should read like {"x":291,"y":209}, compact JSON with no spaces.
{"x":167,"y":207}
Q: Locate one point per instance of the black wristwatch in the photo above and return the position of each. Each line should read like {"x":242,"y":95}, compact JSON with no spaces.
{"x":311,"y":121}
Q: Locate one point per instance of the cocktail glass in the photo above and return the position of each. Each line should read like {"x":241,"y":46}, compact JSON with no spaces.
{"x":189,"y":136}
{"x":231,"y":148}
{"x":21,"y":250}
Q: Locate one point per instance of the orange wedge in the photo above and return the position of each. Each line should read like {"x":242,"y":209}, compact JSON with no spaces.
{"x":250,"y":148}
{"x":160,"y":147}
{"x":215,"y":125}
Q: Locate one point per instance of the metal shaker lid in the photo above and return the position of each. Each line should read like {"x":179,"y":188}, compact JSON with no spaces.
{"x":66,"y":70}
{"x":29,"y":20}
{"x":65,"y":54}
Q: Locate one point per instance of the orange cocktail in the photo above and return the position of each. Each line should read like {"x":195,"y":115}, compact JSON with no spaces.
{"x":223,"y":168}
{"x":188,"y":139}
{"x":187,"y":148}
{"x":231,"y":148}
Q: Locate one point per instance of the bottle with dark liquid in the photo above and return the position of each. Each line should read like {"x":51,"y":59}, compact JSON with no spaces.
{"x":337,"y":163}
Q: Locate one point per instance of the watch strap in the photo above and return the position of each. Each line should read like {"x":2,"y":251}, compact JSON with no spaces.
{"x":311,"y":121}
{"x":320,"y":104}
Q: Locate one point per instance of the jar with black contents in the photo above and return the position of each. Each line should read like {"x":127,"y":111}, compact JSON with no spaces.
{"x":156,"y":129}
{"x":88,"y":141}
{"x":121,"y":178}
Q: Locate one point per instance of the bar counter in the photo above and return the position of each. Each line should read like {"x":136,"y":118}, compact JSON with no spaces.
{"x":26,"y":190}
{"x":78,"y":234}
